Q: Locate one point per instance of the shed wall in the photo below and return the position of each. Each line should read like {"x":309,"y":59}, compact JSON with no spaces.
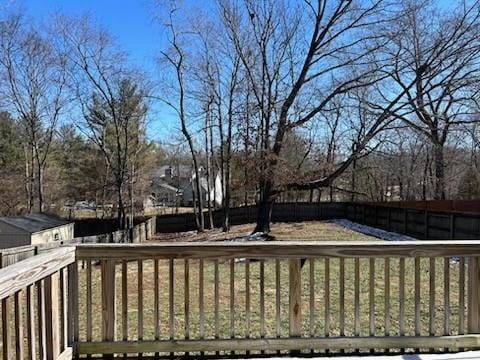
{"x":10,"y":236}
{"x":64,"y":233}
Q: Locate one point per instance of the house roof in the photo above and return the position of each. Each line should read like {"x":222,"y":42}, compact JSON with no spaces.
{"x":168,"y":187}
{"x":182,"y":171}
{"x":33,"y":223}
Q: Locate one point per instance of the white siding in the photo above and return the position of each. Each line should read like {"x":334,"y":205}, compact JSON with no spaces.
{"x":61,"y":233}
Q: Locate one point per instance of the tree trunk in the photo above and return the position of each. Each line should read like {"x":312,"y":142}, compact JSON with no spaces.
{"x":246,"y":145}
{"x":198,"y":191}
{"x":104,"y":189}
{"x":425,"y":176}
{"x":194,"y":203}
{"x":265,"y":206}
{"x":208,"y":168}
{"x":226,"y":205}
{"x":213,"y":177}
{"x":439,"y":172}
{"x":354,"y":176}
{"x":28,"y":179}
{"x":132,"y":195}
{"x":40,"y":187}
{"x":120,"y":207}
{"x":226,"y":215}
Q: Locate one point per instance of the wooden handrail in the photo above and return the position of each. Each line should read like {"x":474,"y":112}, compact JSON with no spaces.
{"x":280,"y":249}
{"x":27,"y":272}
{"x":36,"y":287}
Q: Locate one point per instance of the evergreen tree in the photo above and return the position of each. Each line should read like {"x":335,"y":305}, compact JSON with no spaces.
{"x":469,"y":186}
{"x":11,"y":169}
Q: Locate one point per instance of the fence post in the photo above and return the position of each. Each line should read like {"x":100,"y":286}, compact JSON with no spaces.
{"x":108,"y":302}
{"x":389,"y":218}
{"x":473,"y":321}
{"x":154,"y":225}
{"x":452,"y":226}
{"x":425,"y":230}
{"x":405,"y":221}
{"x":295,"y":294}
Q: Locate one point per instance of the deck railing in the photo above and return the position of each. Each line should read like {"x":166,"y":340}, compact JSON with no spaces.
{"x":34,"y":318}
{"x":243,"y":298}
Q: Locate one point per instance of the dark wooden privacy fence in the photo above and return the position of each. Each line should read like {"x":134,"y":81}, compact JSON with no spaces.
{"x":91,"y":227}
{"x":459,"y":206}
{"x":419,"y":223}
{"x":282,"y":212}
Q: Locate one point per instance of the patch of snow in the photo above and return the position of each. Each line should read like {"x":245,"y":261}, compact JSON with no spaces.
{"x":258,"y":236}
{"x":375,"y":232}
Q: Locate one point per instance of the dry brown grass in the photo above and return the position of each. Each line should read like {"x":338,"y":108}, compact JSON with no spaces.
{"x":240,"y":326}
{"x":307,"y":230}
{"x":167,"y":210}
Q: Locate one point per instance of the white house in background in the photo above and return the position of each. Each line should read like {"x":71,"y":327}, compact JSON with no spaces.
{"x":172,"y":186}
{"x":33,"y":229}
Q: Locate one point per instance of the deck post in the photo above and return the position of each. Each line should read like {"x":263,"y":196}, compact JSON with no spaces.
{"x":295,"y":293}
{"x":473,"y":295}
{"x":52,"y":324}
{"x":108,"y":302}
{"x":72,"y":313}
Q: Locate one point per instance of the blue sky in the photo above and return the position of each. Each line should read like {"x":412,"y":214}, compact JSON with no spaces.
{"x":130,"y":22}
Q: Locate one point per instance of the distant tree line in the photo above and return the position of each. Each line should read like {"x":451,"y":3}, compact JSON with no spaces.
{"x":74,"y":120}
{"x":286,"y":101}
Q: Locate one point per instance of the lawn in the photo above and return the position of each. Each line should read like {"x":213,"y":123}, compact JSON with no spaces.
{"x":311,"y":231}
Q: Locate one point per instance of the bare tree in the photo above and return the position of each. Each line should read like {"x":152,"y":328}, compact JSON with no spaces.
{"x":208,"y":164}
{"x":175,"y":58}
{"x":294,"y":76}
{"x":444,"y":96}
{"x":221,"y":78}
{"x":33,"y":88}
{"x":109,"y":95}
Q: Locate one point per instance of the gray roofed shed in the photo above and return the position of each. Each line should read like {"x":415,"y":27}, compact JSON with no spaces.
{"x":34,"y":229}
{"x":33,"y":223}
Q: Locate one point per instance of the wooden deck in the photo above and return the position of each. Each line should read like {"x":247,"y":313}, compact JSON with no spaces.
{"x":467,"y":355}
{"x":205,"y":299}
